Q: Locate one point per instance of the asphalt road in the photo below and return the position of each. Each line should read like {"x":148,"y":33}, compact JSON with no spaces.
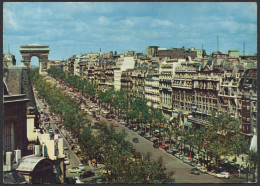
{"x":172,"y":163}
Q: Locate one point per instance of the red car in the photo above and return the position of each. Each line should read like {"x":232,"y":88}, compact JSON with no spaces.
{"x":116,"y":125}
{"x":163,"y":146}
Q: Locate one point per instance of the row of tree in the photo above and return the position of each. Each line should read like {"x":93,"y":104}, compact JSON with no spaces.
{"x":60,"y":103}
{"x":122,"y":163}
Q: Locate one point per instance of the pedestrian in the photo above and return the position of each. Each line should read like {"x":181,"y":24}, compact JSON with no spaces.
{"x":242,"y":158}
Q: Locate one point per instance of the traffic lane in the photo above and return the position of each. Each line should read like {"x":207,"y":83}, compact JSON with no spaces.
{"x":172,"y":163}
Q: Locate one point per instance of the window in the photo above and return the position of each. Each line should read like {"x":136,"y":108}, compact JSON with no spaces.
{"x":8,"y":137}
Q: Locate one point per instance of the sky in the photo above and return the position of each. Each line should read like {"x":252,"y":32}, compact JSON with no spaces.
{"x":83,"y":27}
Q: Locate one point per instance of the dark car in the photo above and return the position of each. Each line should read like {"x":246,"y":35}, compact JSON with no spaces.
{"x":56,"y":131}
{"x":136,"y":140}
{"x":87,"y":174}
{"x":194,"y":171}
{"x":98,"y":119}
{"x":94,"y":127}
{"x":192,"y":163}
{"x":156,"y":145}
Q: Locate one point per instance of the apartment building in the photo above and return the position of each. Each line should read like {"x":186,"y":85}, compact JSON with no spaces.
{"x":152,"y":93}
{"x":166,"y":71}
{"x":138,"y":81}
{"x":109,"y":76}
{"x":122,"y":64}
{"x":182,"y":85}
{"x":127,"y":82}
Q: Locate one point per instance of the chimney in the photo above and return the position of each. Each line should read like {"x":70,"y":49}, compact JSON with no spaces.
{"x":9,"y":160}
{"x":18,"y":155}
{"x":37,"y":150}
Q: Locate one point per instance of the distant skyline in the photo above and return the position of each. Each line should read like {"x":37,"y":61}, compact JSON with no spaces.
{"x":83,"y":27}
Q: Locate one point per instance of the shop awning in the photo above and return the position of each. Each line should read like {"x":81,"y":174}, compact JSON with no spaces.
{"x":187,"y":123}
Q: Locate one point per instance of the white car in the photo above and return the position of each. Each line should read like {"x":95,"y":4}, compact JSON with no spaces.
{"x":81,"y":166}
{"x":186,"y":160}
{"x":66,"y":161}
{"x":123,"y":123}
{"x":75,"y":170}
{"x":196,"y":157}
{"x":203,"y":170}
{"x":78,"y":180}
{"x":177,"y":154}
{"x":198,"y":166}
{"x":223,"y":175}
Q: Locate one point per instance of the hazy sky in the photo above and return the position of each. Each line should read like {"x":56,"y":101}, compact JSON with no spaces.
{"x":75,"y":28}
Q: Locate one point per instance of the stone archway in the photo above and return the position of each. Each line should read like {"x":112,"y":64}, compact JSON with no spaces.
{"x":40,"y":51}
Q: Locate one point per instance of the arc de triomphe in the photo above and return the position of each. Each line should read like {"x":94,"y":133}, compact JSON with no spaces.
{"x":40,"y":51}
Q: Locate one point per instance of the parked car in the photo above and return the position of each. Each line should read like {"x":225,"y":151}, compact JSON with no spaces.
{"x":223,"y":175}
{"x":81,"y":167}
{"x":197,"y":156}
{"x":94,"y":127}
{"x":66,"y":161}
{"x":177,"y":155}
{"x":116,"y":125}
{"x":194,"y":171}
{"x":97,"y":118}
{"x":156,"y":145}
{"x":203,"y":170}
{"x":181,"y":157}
{"x":169,"y":150}
{"x":78,"y":180}
{"x":192,"y":163}
{"x":136,"y":140}
{"x":186,"y":160}
{"x":87,"y":174}
{"x":56,"y":131}
{"x":123,"y":123}
{"x":99,"y":181}
{"x":75,"y":170}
